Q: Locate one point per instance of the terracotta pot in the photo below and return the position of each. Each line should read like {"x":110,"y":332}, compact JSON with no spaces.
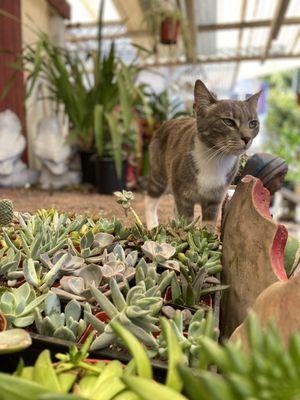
{"x":298,"y":98}
{"x":102,"y":317}
{"x":3,"y":323}
{"x":169,"y":31}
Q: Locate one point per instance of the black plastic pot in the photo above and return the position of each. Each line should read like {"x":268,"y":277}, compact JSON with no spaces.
{"x":88,"y":167}
{"x":107,"y":180}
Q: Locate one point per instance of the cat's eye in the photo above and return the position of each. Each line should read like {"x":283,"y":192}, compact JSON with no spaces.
{"x":229,"y":122}
{"x":253,"y":124}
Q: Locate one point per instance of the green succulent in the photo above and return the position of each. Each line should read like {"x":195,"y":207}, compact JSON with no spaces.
{"x":190,"y":340}
{"x":38,"y":277}
{"x":197,"y":265}
{"x":137,"y":312}
{"x":6,"y":212}
{"x":269,"y":370}
{"x":78,"y":287}
{"x":10,"y":261}
{"x":92,"y":246}
{"x":18,"y":305}
{"x":147,"y":273}
{"x":41,"y":236}
{"x":65,"y":325}
{"x":119,"y":265}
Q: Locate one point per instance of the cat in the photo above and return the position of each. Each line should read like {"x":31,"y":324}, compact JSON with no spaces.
{"x":196,"y":158}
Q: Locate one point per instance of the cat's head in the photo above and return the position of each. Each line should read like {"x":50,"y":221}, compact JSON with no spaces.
{"x":228,"y":126}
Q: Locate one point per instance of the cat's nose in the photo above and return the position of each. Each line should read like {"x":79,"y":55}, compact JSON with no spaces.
{"x":246,"y":139}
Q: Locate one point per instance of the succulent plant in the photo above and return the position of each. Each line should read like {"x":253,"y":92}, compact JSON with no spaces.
{"x":67,"y":325}
{"x":6,"y":212}
{"x":70,"y":264}
{"x":137,"y":312}
{"x":158,"y":252}
{"x":78,"y":287}
{"x":43,"y":236}
{"x":10,"y":264}
{"x":190,"y":340}
{"x":36,"y":275}
{"x":146,"y":273}
{"x":14,"y":340}
{"x":18,"y":305}
{"x":91,"y":246}
{"x":119,"y":265}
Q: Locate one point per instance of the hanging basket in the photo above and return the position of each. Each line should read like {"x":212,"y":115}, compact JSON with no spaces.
{"x":169,"y":30}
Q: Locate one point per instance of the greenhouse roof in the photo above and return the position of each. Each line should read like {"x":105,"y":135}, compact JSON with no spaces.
{"x":230,"y":40}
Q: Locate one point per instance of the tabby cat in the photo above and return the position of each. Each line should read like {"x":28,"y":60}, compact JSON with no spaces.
{"x":196,"y":158}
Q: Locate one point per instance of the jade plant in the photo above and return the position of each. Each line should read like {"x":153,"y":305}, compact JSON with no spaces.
{"x":51,"y":321}
{"x":18,"y":305}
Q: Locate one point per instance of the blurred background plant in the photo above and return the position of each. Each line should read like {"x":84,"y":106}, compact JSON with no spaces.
{"x":283,"y":122}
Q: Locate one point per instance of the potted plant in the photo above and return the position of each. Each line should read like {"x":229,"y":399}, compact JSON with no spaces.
{"x":98,"y":103}
{"x":165,"y":22}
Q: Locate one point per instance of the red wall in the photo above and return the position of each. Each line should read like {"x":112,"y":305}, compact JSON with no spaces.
{"x":11,"y":39}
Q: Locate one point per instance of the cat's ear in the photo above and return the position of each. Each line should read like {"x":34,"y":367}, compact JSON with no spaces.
{"x":203,"y":97}
{"x":252,"y":100}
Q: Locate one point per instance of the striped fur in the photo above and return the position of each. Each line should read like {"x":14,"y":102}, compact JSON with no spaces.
{"x":196,"y":158}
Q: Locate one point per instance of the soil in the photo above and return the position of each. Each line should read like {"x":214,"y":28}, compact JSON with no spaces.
{"x":81,"y":202}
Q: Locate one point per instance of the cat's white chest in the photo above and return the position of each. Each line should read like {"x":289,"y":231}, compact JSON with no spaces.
{"x":212,"y":173}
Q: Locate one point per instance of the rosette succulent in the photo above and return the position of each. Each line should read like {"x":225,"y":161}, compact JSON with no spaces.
{"x":78,"y":287}
{"x":67,"y":325}
{"x":137,"y":311}
{"x":119,"y":265}
{"x":18,"y":305}
{"x":91,"y":246}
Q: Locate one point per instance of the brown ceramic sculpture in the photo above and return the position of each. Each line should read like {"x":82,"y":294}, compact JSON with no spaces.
{"x":253,"y":251}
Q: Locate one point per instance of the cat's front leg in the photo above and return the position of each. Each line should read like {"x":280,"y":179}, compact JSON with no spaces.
{"x":184,"y":208}
{"x":210,"y":211}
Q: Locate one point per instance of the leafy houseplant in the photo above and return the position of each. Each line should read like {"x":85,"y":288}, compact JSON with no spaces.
{"x":98,"y":103}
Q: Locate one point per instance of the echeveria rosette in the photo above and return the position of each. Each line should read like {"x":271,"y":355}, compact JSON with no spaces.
{"x":51,"y":321}
{"x":161,"y":253}
{"x":18,"y":305}
{"x":78,"y":287}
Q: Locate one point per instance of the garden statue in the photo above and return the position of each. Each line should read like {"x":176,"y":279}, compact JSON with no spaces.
{"x":54,"y":153}
{"x":13,"y":171}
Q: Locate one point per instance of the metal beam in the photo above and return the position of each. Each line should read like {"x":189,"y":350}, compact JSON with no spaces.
{"x":239,"y":43}
{"x":201,"y":28}
{"x":113,"y":36}
{"x":217,"y":59}
{"x":295,"y":42}
{"x":190,"y":13}
{"x":246,"y":24}
{"x":280,"y":11}
{"x":93,"y":24}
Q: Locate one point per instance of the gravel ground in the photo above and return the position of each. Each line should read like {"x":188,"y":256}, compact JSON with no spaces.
{"x":93,"y":204}
{"x":75,"y":201}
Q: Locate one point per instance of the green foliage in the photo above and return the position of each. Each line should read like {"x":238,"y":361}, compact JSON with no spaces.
{"x":282,"y":124}
{"x":267,"y":371}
